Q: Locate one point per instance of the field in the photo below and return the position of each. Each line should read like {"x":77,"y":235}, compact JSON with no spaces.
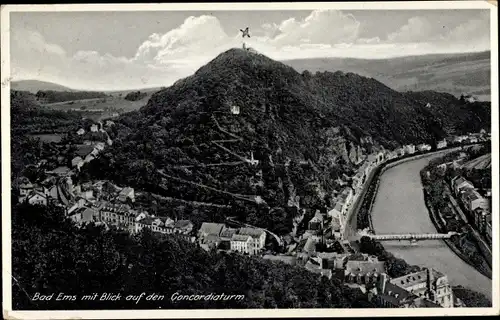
{"x":102,"y":107}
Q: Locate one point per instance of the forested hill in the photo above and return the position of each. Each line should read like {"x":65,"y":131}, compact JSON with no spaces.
{"x":286,"y":119}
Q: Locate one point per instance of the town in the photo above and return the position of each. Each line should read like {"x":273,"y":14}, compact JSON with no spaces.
{"x":323,"y":247}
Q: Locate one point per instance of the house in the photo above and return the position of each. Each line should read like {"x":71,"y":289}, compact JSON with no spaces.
{"x":99,"y":146}
{"x":258,"y":238}
{"x":387,"y":295}
{"x":209,"y":235}
{"x":332,"y":260}
{"x":241,"y":243}
{"x":126,"y":193}
{"x":428,"y":283}
{"x":362,"y":269}
{"x":37,"y":198}
{"x":337,"y":210}
{"x":80,"y":132}
{"x":77,"y":162}
{"x":459,"y":139}
{"x":94,"y":128}
{"x":109,"y":123}
{"x":119,"y":215}
{"x":183,"y":226}
{"x":84,"y":215}
{"x":480,"y":216}
{"x":423,"y":147}
{"x":89,"y":158}
{"x":409,"y":149}
{"x":357,"y":180}
{"x":400,"y":152}
{"x":235,"y":109}
{"x":316,"y":223}
{"x":442,"y":144}
{"x":473,"y":140}
{"x":25,"y":188}
{"x":346,"y":195}
{"x":380,"y":157}
{"x":472,"y":200}
{"x":60,"y":171}
{"x":460,"y":183}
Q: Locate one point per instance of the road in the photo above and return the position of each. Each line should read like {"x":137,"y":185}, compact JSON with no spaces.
{"x":400,"y":208}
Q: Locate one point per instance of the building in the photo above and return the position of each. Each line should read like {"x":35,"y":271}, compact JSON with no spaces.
{"x":60,"y":171}
{"x":387,"y":295}
{"x":83,"y":150}
{"x":460,"y":183}
{"x":109,"y":123}
{"x":442,"y":144}
{"x":362,"y":269}
{"x":37,"y":198}
{"x":119,"y":215}
{"x":80,"y":132}
{"x":258,"y":238}
{"x":25,"y":188}
{"x":209,"y":235}
{"x":480,"y":216}
{"x":89,"y":158}
{"x":473,"y":140}
{"x":472,"y":200}
{"x":241,"y":243}
{"x":94,"y":128}
{"x":183,"y":227}
{"x":84,"y":215}
{"x":409,"y":149}
{"x":423,"y":147}
{"x":77,"y":162}
{"x":428,"y":283}
{"x":316,"y":223}
{"x":399,"y":152}
{"x":99,"y":146}
{"x":126,"y":193}
{"x":235,"y":109}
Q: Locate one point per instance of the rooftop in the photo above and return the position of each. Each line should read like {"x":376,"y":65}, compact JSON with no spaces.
{"x":396,"y":295}
{"x":253,"y":232}
{"x":240,"y":237}
{"x":211,"y":228}
{"x":414,"y":278}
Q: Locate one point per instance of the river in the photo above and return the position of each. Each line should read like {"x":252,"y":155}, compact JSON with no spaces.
{"x":399,"y":208}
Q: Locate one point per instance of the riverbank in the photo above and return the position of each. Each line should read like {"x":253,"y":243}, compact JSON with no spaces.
{"x":442,"y":229}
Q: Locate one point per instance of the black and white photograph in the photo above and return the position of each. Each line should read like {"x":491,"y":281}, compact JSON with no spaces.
{"x":240,"y":160}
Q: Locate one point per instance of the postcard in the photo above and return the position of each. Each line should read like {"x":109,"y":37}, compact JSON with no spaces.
{"x":213,"y":160}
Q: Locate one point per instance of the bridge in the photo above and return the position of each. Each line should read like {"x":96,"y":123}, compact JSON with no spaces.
{"x":413,"y":237}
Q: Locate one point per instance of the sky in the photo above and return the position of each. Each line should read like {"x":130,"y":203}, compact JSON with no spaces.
{"x":129,"y":50}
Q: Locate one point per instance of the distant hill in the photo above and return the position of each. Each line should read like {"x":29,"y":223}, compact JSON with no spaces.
{"x":305,"y":130}
{"x":34,"y":86}
{"x":452,"y":73}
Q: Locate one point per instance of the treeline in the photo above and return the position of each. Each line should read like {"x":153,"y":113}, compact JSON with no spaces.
{"x":134,"y":96}
{"x":51,"y":256}
{"x":51,"y":96}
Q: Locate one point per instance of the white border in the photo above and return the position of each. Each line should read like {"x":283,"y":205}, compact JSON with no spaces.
{"x":271,"y":313}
